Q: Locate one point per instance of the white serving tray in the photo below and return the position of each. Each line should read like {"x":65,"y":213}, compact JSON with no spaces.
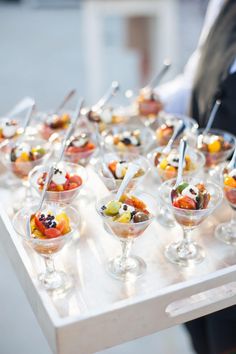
{"x":101,"y":312}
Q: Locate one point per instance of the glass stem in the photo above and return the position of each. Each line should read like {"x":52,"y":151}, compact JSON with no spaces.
{"x":233,"y":219}
{"x":28,"y":194}
{"x":49,"y":264}
{"x":126,"y":247}
{"x":183,"y":249}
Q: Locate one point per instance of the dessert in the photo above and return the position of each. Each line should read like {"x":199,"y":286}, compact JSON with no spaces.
{"x":229,"y":178}
{"x":190,"y":196}
{"x":54,"y":123}
{"x":215,"y":147}
{"x":23,"y":156}
{"x":119,"y":169}
{"x":148,"y":103}
{"x":61,"y":181}
{"x":129,"y":139}
{"x":9,"y":128}
{"x":107,"y":115}
{"x":80,"y":147}
{"x":167,"y":165}
{"x":129,"y":209}
{"x":165,"y":132}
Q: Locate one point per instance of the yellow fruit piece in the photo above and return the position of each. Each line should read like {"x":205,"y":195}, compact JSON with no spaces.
{"x":59,"y":187}
{"x":215,"y":146}
{"x":24,"y":156}
{"x":62,"y":216}
{"x":163,"y":164}
{"x":38,"y":234}
{"x":230,"y":181}
{"x":124,"y":218}
{"x":32,"y":225}
{"x":113,"y":208}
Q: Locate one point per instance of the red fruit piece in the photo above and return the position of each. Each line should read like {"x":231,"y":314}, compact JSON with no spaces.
{"x":52,"y":232}
{"x":39,"y":224}
{"x":185,"y":202}
{"x":76,"y":180}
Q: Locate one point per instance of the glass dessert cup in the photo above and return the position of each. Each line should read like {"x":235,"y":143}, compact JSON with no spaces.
{"x":111,"y":138}
{"x":226,"y":232}
{"x":165,"y":217}
{"x":19,"y":170}
{"x":62,"y":196}
{"x":187,"y":252}
{"x":126,"y":267}
{"x":9,"y":129}
{"x":164,"y":127}
{"x":215,"y":158}
{"x":47,"y":130}
{"x":114,"y":183}
{"x":48,"y":248}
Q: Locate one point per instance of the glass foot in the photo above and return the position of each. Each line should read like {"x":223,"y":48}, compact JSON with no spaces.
{"x":58,"y":282}
{"x":226,"y":233}
{"x":134,"y":267}
{"x":184,"y":254}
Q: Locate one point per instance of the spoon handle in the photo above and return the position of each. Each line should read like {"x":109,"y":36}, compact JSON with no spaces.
{"x":107,"y":96}
{"x":232,"y":162}
{"x":66,"y":99}
{"x":45,"y":187}
{"x":182,"y":151}
{"x":28,"y":117}
{"x":178,"y":128}
{"x":158,"y":77}
{"x":132,"y":170}
{"x":70,"y":129}
{"x":212,"y":117}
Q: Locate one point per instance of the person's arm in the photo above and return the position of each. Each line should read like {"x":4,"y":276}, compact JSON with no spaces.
{"x":176,"y":94}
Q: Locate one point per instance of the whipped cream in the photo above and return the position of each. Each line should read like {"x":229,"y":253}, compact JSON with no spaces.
{"x":126,"y":208}
{"x":173,"y":159}
{"x":51,"y":119}
{"x":106,"y":115}
{"x":233,"y":173}
{"x":59,"y":176}
{"x":209,"y":139}
{"x":121,"y":168}
{"x":9,"y":128}
{"x":24,"y":147}
{"x":191,"y":191}
{"x":80,"y":140}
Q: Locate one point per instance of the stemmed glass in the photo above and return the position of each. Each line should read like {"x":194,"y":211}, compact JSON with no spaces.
{"x":64,"y":196}
{"x":126,"y":267}
{"x":197,"y":159}
{"x":187,"y":252}
{"x":48,"y":248}
{"x":214,"y":154}
{"x":21,"y":168}
{"x":226,"y":232}
{"x":113,"y":183}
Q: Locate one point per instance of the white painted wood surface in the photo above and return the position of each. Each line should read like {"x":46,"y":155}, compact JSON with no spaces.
{"x":101,"y":312}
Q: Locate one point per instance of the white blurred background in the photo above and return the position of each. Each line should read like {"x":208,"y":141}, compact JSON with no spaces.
{"x":50,"y":46}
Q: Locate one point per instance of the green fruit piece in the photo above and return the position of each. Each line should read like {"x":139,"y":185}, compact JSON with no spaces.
{"x":112,"y":208}
{"x":124,"y":218}
{"x":182,"y":186}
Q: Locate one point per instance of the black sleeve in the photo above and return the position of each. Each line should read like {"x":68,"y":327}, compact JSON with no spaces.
{"x":226,"y":116}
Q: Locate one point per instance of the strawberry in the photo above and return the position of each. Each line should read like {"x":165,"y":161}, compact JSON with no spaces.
{"x":52,"y":232}
{"x":184,"y":202}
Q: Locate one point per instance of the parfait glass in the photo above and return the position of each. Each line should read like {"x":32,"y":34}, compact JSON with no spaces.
{"x":114,"y":183}
{"x":146,"y":135}
{"x":226,"y":232}
{"x":187,"y":252}
{"x":164,"y":125}
{"x":214,"y":159}
{"x":21,"y":169}
{"x":51,"y":279}
{"x":127,"y":267}
{"x":59,"y":196}
{"x":197,"y":159}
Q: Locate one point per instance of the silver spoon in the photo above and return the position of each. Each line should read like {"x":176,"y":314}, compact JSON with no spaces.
{"x":106,"y":97}
{"x":232,"y":163}
{"x":178,"y":128}
{"x":179,"y":179}
{"x":158,"y":77}
{"x":66,"y":99}
{"x":131,"y":171}
{"x":25,"y":103}
{"x":212,"y":117}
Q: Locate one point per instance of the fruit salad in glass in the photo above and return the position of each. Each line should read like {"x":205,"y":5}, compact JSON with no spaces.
{"x":80,"y":148}
{"x":191,"y":202}
{"x":47,"y":231}
{"x":127,"y":218}
{"x":217,"y":146}
{"x":148,"y":103}
{"x":54,"y":123}
{"x":226,"y":232}
{"x":67,"y":181}
{"x":9,"y":129}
